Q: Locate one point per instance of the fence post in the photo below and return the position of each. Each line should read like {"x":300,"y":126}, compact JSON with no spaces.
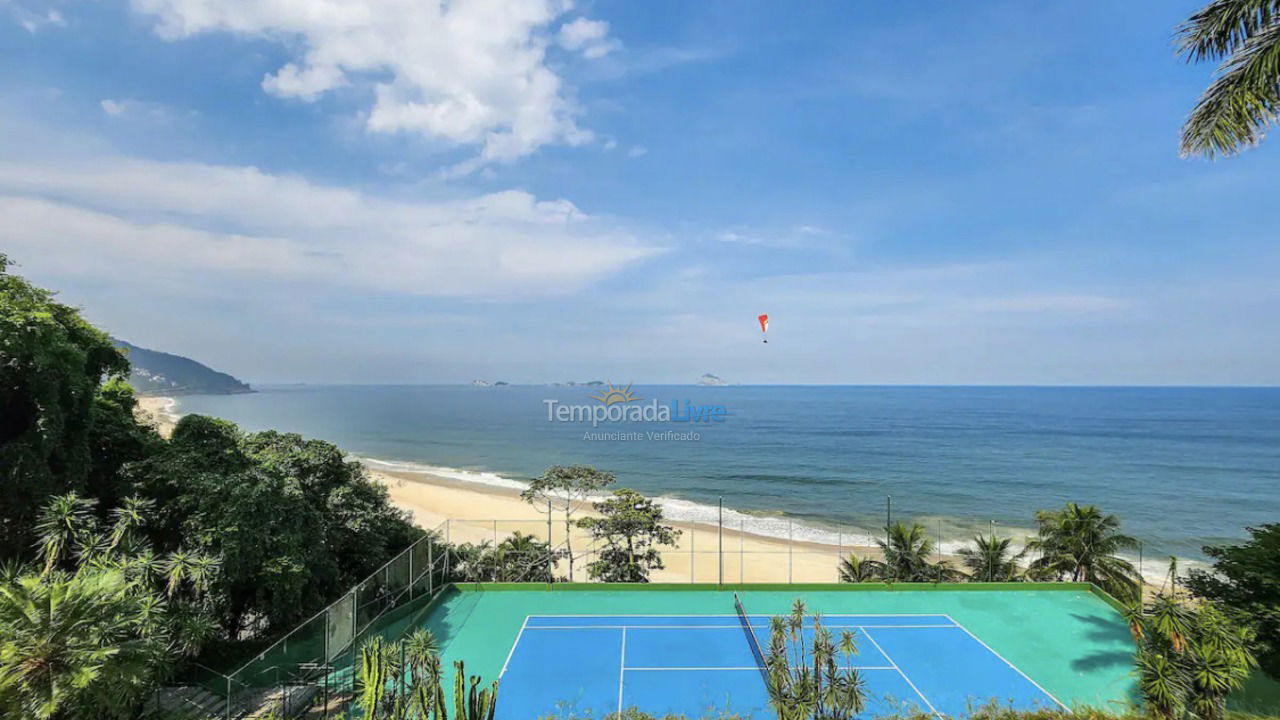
{"x":693,"y":557}
{"x":431,"y":568}
{"x":839,"y":552}
{"x":742,"y":551}
{"x":720,"y":550}
{"x":228,"y":697}
{"x":790,"y":551}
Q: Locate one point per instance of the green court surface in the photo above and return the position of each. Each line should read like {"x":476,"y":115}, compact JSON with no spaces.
{"x":1068,"y":639}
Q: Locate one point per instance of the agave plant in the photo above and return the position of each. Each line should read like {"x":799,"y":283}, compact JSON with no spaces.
{"x":1190,"y":657}
{"x":811,"y":679}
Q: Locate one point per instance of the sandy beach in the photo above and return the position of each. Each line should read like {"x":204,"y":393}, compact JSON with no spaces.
{"x":476,"y":513}
{"x":159,"y":411}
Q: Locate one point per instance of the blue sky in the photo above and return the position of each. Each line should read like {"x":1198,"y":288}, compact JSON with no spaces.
{"x":361,"y":191}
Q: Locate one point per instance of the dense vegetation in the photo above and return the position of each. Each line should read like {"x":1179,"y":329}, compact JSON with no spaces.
{"x":1246,"y":581}
{"x":124,"y":552}
{"x":1078,"y":543}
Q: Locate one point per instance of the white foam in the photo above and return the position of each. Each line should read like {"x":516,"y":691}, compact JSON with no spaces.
{"x":468,"y":476}
{"x":957,"y":534}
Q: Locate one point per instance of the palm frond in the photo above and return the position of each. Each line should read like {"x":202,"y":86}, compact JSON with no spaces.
{"x":1234,"y":112}
{"x":1219,"y":28}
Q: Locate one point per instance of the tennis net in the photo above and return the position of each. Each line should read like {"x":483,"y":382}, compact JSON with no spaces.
{"x":752,"y":640}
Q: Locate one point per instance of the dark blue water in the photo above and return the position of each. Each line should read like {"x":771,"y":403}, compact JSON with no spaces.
{"x":1181,"y":466}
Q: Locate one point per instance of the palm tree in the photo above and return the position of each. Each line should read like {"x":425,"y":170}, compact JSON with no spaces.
{"x":991,"y":559}
{"x":906,"y":555}
{"x":854,"y":569}
{"x":1081,"y":544}
{"x":75,"y":646}
{"x":1233,"y":113}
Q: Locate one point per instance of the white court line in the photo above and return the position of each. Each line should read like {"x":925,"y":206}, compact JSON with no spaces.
{"x":512,"y":651}
{"x":668,"y":615}
{"x":622,"y":668}
{"x":753,"y":667}
{"x":904,"y":675}
{"x":718,"y":627}
{"x":1006,"y":662}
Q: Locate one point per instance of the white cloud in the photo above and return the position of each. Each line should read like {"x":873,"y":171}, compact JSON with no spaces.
{"x":590,"y":37}
{"x":217,"y":223}
{"x":140,"y":109}
{"x":465,"y":72}
{"x":638,"y":151}
{"x":33,"y":21}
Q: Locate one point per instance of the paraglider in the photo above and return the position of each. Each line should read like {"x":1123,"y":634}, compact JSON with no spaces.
{"x":764,"y":326}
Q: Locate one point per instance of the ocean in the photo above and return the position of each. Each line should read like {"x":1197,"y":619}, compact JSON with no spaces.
{"x":1181,"y":467}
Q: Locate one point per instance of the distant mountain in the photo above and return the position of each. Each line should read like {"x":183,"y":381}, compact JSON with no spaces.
{"x":709,"y":379}
{"x":158,"y":373}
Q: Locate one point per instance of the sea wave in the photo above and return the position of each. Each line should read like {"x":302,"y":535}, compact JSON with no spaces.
{"x":952,"y":533}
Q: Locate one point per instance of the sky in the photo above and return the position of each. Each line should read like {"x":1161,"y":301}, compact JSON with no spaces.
{"x":403,"y":191}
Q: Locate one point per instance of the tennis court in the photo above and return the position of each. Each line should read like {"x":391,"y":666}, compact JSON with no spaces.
{"x":585,"y":651}
{"x":706,"y":665}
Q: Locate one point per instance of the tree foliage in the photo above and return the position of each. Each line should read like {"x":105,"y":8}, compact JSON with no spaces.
{"x":566,"y":489}
{"x":1243,"y":36}
{"x":1245,"y":582}
{"x":296,"y":523}
{"x":51,"y":364}
{"x":909,"y":556}
{"x":992,"y":559}
{"x":630,"y":527}
{"x":518,"y":558}
{"x":1190,"y":656}
{"x":90,"y":627}
{"x":1081,"y":544}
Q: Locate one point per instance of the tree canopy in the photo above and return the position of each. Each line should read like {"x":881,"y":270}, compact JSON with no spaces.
{"x":1246,"y":582}
{"x":51,"y":365}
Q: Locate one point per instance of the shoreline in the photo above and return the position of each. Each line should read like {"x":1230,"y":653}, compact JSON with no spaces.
{"x":160,"y":411}
{"x":755,"y":545}
{"x":466,"y":511}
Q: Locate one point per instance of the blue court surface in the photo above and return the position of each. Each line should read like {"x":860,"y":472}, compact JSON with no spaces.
{"x":704,"y":666}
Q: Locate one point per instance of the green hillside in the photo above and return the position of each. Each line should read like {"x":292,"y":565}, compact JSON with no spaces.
{"x":159,"y":373}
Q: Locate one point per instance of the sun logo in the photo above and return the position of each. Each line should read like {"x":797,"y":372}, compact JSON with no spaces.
{"x":614,"y":395}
